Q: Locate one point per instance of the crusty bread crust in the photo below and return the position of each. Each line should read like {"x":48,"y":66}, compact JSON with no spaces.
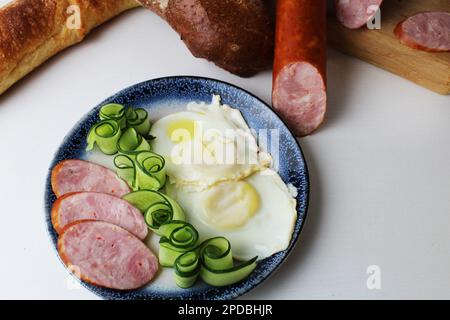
{"x":236,"y":35}
{"x":31,"y":31}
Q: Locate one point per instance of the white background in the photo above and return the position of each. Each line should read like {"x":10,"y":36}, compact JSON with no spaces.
{"x":380,"y":169}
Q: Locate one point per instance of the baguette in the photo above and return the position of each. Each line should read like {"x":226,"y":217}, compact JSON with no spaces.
{"x":32,"y":31}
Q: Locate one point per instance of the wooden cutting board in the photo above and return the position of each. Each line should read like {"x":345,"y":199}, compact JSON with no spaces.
{"x":382,"y":48}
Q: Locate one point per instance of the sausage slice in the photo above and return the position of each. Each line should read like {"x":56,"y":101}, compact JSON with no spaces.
{"x":428,"y":31}
{"x":106,"y":255}
{"x":77,"y":176}
{"x":354,"y":14}
{"x":73,"y":207}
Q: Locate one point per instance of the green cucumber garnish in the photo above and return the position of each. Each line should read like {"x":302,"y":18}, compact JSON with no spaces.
{"x":105,"y":135}
{"x":144,"y":170}
{"x":178,"y":237}
{"x":114,"y":111}
{"x":213,"y":262}
{"x":187,"y":268}
{"x":138,"y":119}
{"x":131,"y":143}
{"x":150,"y":170}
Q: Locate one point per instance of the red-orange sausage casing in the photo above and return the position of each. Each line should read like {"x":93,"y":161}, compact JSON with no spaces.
{"x":299,"y":82}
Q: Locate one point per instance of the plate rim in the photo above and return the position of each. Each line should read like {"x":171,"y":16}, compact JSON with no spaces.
{"x":296,"y":235}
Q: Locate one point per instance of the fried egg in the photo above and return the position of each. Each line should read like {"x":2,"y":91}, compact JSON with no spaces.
{"x":207,"y":144}
{"x":257,"y":214}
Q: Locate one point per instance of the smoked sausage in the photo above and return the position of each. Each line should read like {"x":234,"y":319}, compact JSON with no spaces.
{"x":299,"y":82}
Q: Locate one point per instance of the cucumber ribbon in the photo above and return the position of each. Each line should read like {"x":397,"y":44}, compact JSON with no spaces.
{"x":114,"y":111}
{"x":213,"y":262}
{"x":138,"y":119}
{"x":177,"y":237}
{"x":143,"y":170}
{"x":158,"y":208}
{"x":131,"y":143}
{"x":123,"y":130}
{"x":105,"y":134}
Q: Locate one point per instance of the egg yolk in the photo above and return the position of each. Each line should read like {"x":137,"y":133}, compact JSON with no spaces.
{"x":230,"y":205}
{"x":181,"y":130}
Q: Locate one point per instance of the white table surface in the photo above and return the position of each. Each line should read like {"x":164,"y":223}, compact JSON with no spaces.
{"x":380,"y":169}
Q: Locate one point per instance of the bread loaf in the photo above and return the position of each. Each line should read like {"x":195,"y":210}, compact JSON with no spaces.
{"x":236,"y":35}
{"x":31,"y":31}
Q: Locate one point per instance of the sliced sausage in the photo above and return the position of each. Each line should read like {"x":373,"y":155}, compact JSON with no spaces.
{"x":77,"y":176}
{"x":428,"y":31}
{"x":354,"y":14}
{"x":299,"y":92}
{"x":73,"y":207}
{"x":106,"y":255}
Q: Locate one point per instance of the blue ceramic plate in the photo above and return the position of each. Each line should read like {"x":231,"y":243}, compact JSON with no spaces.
{"x":167,"y":95}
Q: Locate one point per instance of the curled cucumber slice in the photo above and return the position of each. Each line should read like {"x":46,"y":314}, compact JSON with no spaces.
{"x":179,"y":234}
{"x":150,"y":171}
{"x":218,"y":268}
{"x":216,"y":253}
{"x":105,"y":134}
{"x":126,"y":169}
{"x":138,"y":119}
{"x":131,"y":143}
{"x":213,"y":262}
{"x":114,"y":111}
{"x":187,"y":268}
{"x":158,"y":209}
{"x":109,"y":134}
{"x":144,"y":170}
{"x":226,"y":277}
{"x":177,"y":238}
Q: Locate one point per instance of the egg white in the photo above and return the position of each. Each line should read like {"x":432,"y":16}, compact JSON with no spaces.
{"x":265,"y":233}
{"x":207,"y":150}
